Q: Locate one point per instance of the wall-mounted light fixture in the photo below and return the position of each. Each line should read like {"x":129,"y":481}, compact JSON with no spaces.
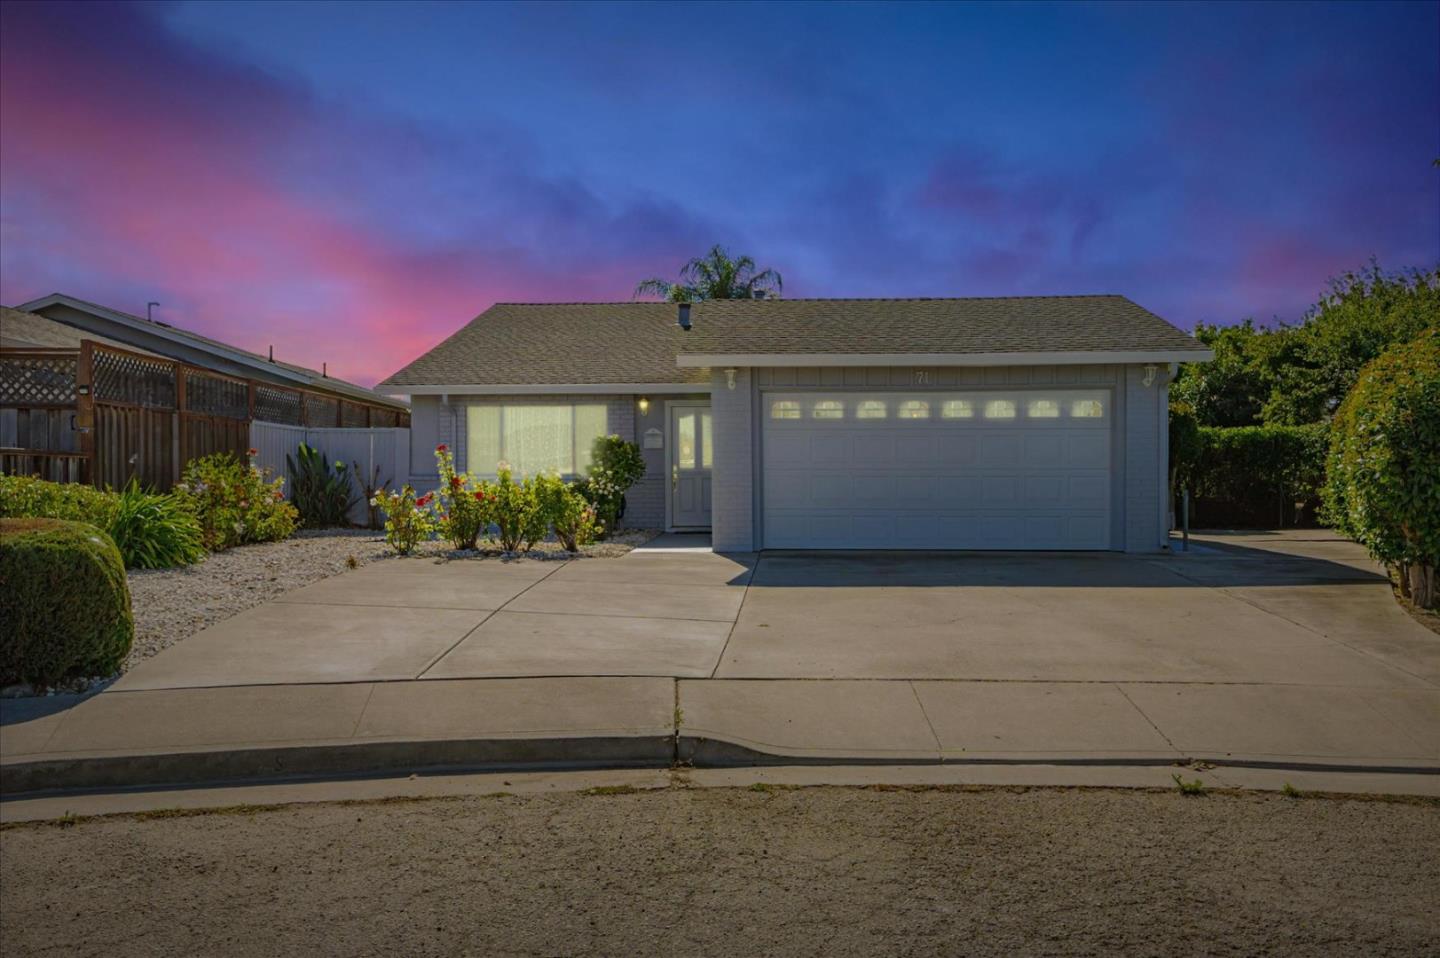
{"x":730,"y":379}
{"x":644,"y":405}
{"x":1149,"y":375}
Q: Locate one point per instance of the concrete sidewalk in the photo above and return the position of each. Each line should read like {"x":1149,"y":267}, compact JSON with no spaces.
{"x":173,"y":736}
{"x":1280,"y":650}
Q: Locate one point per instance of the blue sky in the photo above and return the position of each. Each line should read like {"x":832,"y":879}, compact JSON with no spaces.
{"x":282,"y":173}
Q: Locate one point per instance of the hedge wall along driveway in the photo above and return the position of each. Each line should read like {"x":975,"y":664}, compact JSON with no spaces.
{"x":1255,"y":476}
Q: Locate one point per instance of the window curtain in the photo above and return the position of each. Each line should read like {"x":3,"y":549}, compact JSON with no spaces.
{"x":533,"y":439}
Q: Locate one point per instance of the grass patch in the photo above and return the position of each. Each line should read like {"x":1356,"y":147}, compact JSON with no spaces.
{"x":1195,"y":787}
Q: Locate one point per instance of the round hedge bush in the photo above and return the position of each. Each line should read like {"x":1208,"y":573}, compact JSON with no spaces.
{"x":1383,"y":476}
{"x":64,"y":602}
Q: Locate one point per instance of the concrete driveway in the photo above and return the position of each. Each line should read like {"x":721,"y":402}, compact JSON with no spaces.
{"x":1279,"y":648}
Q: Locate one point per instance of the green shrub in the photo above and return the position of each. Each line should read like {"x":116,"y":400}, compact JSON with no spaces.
{"x":514,"y":509}
{"x":461,"y":501}
{"x":152,"y":531}
{"x":408,"y":519}
{"x":615,"y":466}
{"x":236,"y":502}
{"x":30,"y":497}
{"x":321,"y":495}
{"x":155,"y":531}
{"x":1251,"y":475}
{"x":1383,"y":472}
{"x":63,"y":600}
{"x":567,"y":512}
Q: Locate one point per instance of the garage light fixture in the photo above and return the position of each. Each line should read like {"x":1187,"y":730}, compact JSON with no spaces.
{"x":1150,"y":374}
{"x":730,"y":379}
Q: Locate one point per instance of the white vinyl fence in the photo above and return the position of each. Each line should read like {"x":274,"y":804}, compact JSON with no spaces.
{"x":385,"y":449}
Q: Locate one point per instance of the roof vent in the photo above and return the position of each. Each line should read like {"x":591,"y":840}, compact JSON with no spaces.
{"x":682,"y":317}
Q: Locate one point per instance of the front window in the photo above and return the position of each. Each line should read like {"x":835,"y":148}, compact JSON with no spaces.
{"x":532,"y":438}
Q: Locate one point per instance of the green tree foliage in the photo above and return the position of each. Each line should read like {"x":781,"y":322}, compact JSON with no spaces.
{"x":1299,"y":374}
{"x":1383,"y":476}
{"x":716,"y":275}
{"x":1363,"y":315}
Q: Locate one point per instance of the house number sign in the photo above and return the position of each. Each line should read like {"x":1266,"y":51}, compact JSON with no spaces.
{"x":922,"y":377}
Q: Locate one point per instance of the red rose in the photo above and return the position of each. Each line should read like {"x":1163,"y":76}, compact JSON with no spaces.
{"x":252,"y":452}
{"x":479,"y":496}
{"x":441,"y":448}
{"x":454,"y":482}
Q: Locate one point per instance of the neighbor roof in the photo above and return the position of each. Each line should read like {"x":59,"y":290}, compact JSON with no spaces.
{"x":640,"y":343}
{"x":557,"y":343}
{"x":999,"y":326}
{"x":121,"y":323}
{"x":22,"y":330}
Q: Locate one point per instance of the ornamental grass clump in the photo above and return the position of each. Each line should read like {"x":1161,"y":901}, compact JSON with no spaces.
{"x":151,"y":530}
{"x":65,"y":603}
{"x":409,"y":520}
{"x":236,"y":502}
{"x":323,"y":494}
{"x":461,"y":501}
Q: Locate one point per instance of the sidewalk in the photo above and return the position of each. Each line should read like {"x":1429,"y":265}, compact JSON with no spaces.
{"x":176,"y":736}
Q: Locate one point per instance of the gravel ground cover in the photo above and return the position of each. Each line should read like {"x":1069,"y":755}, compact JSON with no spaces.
{"x":173,"y":604}
{"x":681,"y":871}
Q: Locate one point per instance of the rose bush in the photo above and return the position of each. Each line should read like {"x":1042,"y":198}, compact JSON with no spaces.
{"x":236,"y":502}
{"x":461,"y":500}
{"x":409,"y":519}
{"x":514,"y":509}
{"x":567,"y":511}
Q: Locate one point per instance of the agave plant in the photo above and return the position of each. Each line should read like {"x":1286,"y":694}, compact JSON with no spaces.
{"x":323,"y":494}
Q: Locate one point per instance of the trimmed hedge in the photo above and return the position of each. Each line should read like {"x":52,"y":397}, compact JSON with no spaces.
{"x":151,"y":530}
{"x":1252,"y":476}
{"x":64,"y":602}
{"x":1383,"y":488}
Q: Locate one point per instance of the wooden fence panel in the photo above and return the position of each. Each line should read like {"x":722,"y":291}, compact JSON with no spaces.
{"x":132,"y":442}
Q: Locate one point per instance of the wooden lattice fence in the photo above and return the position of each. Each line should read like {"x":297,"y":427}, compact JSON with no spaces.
{"x":106,"y":415}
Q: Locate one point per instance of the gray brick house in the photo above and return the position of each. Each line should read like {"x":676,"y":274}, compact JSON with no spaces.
{"x":999,"y":423}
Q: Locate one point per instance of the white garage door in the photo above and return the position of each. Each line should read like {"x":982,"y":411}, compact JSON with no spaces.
{"x":995,"y":469}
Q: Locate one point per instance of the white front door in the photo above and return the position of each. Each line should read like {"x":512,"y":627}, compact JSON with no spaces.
{"x":981,"y":469}
{"x":692,"y":451}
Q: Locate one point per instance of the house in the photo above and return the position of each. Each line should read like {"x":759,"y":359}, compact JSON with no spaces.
{"x":997,"y":423}
{"x":59,"y":321}
{"x":94,"y":394}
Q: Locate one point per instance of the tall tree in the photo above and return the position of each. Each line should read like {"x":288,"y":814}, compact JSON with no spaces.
{"x":716,"y":276}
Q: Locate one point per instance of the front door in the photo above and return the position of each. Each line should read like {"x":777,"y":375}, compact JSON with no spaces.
{"x":692,"y":451}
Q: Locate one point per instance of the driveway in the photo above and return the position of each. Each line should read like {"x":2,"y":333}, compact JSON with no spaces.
{"x":1281,"y":649}
{"x":1294,"y":609}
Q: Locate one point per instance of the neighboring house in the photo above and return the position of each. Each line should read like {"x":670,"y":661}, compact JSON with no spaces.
{"x":1004,"y":423}
{"x":58,"y":321}
{"x":93,"y":394}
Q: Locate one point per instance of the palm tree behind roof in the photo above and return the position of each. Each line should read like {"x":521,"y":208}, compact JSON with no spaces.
{"x":716,"y":276}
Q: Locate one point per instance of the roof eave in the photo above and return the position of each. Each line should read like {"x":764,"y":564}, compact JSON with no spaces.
{"x":1022,"y":358}
{"x":522,"y":389}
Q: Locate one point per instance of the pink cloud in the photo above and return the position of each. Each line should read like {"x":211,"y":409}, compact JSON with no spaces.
{"x":158,"y":170}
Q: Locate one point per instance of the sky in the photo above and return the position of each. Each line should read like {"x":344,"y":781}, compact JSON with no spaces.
{"x":351,"y":183}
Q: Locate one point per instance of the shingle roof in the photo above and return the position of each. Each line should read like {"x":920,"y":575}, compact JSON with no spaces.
{"x":1019,"y":324}
{"x":535,"y":343}
{"x":314,"y":377}
{"x":558,"y":343}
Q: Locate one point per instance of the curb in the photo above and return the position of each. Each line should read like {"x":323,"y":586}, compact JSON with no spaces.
{"x":358,"y":760}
